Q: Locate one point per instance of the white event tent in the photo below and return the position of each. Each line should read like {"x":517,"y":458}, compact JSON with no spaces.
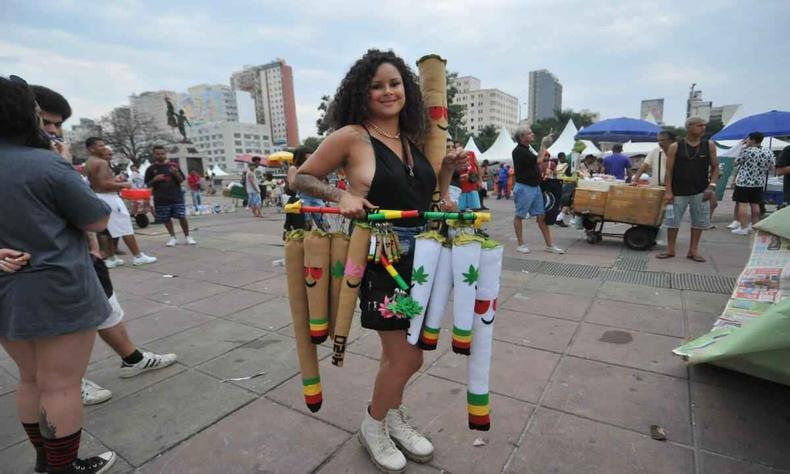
{"x":472,"y":146}
{"x":638,"y":148}
{"x":217,"y":171}
{"x":590,"y":149}
{"x":565,"y":142}
{"x":501,"y":151}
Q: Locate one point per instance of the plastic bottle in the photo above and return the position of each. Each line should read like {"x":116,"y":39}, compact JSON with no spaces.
{"x":669,"y":213}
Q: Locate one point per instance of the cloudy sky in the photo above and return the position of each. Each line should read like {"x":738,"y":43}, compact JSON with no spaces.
{"x":609,"y":55}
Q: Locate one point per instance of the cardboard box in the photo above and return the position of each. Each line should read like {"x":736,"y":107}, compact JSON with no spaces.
{"x":589,"y":201}
{"x":635,"y":205}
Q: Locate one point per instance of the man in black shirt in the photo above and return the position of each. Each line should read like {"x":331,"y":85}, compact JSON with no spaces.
{"x":783,"y":169}
{"x":692,"y":172}
{"x":165,"y":178}
{"x":527,"y":194}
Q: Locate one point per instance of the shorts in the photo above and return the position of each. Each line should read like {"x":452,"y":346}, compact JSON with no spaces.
{"x":120,"y":223}
{"x":751,"y":195}
{"x":568,"y":189}
{"x":253,"y":200}
{"x":529,"y":200}
{"x":115,"y":317}
{"x":469,"y":200}
{"x":165,"y":212}
{"x":377,"y":284}
{"x":699,"y":210}
{"x":454,"y":193}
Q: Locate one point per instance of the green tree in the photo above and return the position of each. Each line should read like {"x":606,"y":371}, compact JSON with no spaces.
{"x":312,"y":142}
{"x":679,"y":131}
{"x":486,"y":138}
{"x":456,"y":112}
{"x":321,"y":123}
{"x":555,"y":124}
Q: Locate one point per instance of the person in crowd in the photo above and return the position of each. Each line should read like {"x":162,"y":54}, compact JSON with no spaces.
{"x":470,"y":185}
{"x":106,"y":186}
{"x":502,"y":176}
{"x":656,"y":160}
{"x":301,"y":155}
{"x":253,"y":191}
{"x":692,"y":172}
{"x":269,"y":186}
{"x":195,"y":183}
{"x":527,"y":195}
{"x":378,"y":114}
{"x":486,"y":183}
{"x":754,"y":164}
{"x":165,"y":179}
{"x":49,"y":337}
{"x":587,"y":167}
{"x":112,"y":331}
{"x":783,"y":169}
{"x":617,"y":164}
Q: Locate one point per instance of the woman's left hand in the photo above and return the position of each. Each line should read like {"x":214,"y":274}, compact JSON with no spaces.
{"x":12,"y":260}
{"x":456,"y":160}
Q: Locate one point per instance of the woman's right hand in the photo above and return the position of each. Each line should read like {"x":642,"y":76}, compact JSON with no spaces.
{"x":12,"y":260}
{"x":353,"y":207}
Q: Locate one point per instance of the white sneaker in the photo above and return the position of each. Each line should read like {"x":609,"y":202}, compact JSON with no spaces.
{"x":375,"y":437}
{"x":93,"y":394}
{"x":191,"y":241}
{"x":150,"y":361}
{"x":412,"y":443}
{"x":555,"y":249}
{"x":734,"y":225}
{"x":172,"y":242}
{"x":742,"y":231}
{"x":560,"y":218}
{"x":113,"y":262}
{"x":143,"y":259}
{"x":522,"y":248}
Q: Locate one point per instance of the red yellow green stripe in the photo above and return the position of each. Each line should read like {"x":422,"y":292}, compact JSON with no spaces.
{"x":312,"y":393}
{"x":319,"y":330}
{"x":479,"y":414}
{"x":462,"y":341}
{"x":428,"y":339}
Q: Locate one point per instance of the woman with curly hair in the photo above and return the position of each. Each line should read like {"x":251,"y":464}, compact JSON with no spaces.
{"x":378,"y":115}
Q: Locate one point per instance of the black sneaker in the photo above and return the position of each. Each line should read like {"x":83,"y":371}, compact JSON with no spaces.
{"x":95,"y":465}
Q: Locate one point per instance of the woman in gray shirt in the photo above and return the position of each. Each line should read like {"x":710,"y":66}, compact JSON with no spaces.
{"x":49,"y":308}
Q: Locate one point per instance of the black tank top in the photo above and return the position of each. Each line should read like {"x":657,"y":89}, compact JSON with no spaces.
{"x":393,"y":186}
{"x":692,"y":165}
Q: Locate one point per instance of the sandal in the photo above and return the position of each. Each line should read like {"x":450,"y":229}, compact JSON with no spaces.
{"x":696,"y":258}
{"x":664,"y":255}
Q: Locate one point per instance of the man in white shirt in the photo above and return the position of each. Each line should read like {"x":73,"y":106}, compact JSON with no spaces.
{"x":656,"y":160}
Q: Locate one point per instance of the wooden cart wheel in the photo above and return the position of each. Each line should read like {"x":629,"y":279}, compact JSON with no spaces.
{"x":141,"y":220}
{"x":591,"y":238}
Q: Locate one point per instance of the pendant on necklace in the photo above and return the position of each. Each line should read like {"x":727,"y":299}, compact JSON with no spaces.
{"x":411,"y":171}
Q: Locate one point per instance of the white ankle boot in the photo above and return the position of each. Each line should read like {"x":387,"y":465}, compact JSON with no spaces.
{"x":375,"y":437}
{"x":413,"y":444}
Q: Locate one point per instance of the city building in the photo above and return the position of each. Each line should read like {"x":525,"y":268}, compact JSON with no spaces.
{"x":654,"y":107}
{"x":695,"y":105}
{"x":485,"y":107}
{"x":723,"y":113}
{"x":272,"y":87}
{"x":221,"y":142}
{"x":152,"y":106}
{"x":78,"y":134}
{"x":545,"y":95}
{"x":209,"y":103}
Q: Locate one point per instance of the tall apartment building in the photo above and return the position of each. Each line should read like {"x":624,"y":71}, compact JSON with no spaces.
{"x":272,"y":87}
{"x":695,"y":105}
{"x":486,"y":106}
{"x":222,"y":142}
{"x":209,"y":103}
{"x":545,"y":95}
{"x":655,"y":107}
{"x":152,"y":106}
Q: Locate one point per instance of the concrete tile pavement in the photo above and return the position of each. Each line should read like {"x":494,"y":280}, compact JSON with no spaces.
{"x":580,"y":371}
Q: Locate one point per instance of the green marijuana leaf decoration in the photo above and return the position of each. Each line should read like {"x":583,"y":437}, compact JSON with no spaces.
{"x":337,"y":269}
{"x":470,"y":277}
{"x":419,"y":276}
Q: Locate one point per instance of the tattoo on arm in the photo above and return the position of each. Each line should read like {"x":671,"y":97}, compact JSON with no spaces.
{"x":47,"y":428}
{"x":315,"y":187}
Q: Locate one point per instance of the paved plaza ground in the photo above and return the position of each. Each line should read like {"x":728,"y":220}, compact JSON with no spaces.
{"x":582,"y":367}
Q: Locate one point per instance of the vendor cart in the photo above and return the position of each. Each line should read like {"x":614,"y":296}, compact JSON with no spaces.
{"x":640,"y":207}
{"x":138,"y":201}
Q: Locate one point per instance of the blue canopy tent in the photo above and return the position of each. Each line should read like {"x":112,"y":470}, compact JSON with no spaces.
{"x":775,"y":123}
{"x":620,"y":130}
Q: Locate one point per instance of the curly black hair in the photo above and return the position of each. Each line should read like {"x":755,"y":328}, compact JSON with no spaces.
{"x":350,"y":104}
{"x":19,"y":122}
